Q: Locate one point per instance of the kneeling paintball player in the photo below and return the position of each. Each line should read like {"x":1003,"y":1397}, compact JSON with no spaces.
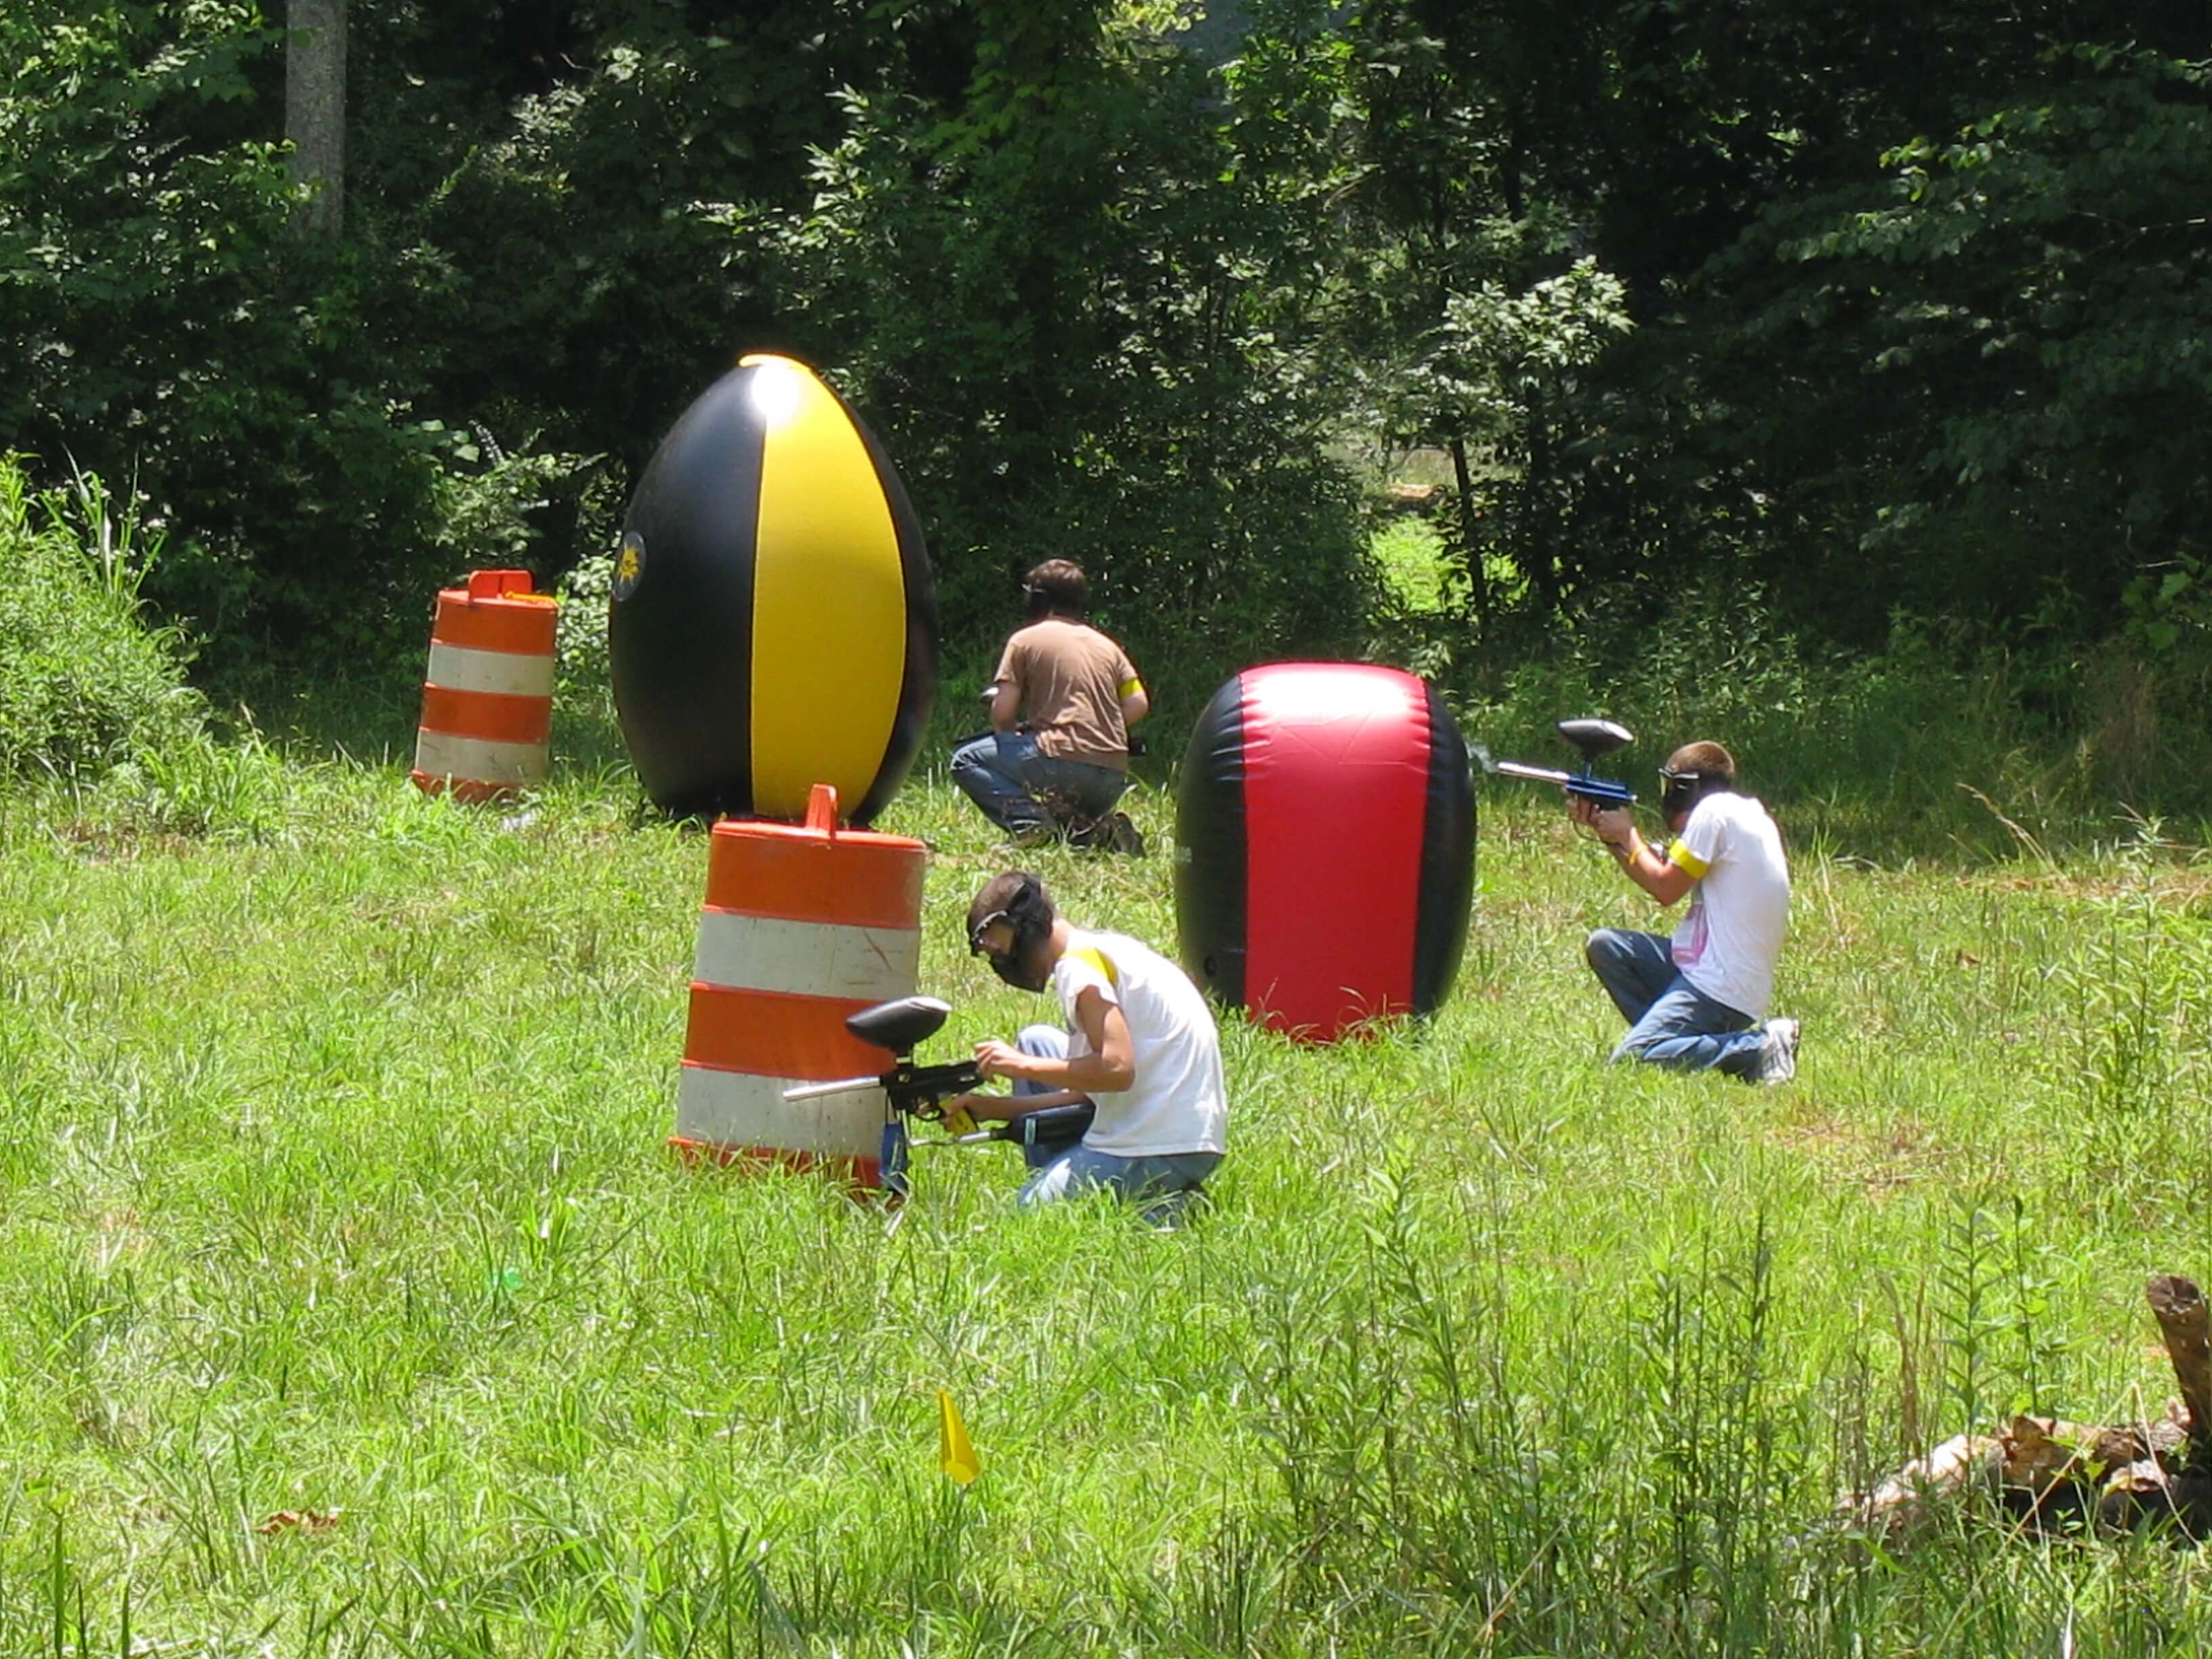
{"x":1695,"y":1001}
{"x":1139,"y":1044}
{"x":1057,"y":757}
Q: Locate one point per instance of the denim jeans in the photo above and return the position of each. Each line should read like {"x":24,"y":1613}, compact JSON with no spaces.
{"x":1002,"y":771}
{"x":1163,"y":1185}
{"x":1670,"y":1022}
{"x":1043,"y":1042}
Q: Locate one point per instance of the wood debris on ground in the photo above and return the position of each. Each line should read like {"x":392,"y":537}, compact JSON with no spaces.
{"x":2047,"y":1474}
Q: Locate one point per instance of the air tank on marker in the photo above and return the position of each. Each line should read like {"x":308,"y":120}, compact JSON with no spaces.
{"x":773,"y":624}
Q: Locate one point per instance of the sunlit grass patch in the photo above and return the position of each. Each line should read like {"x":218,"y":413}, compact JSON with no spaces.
{"x":1411,"y":555}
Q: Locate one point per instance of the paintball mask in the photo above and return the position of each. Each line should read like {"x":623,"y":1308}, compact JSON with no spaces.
{"x":1681,"y":791}
{"x":1028,"y":914}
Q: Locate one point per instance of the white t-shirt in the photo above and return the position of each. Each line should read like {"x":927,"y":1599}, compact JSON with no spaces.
{"x":1177,"y":1103}
{"x":1729,"y":943}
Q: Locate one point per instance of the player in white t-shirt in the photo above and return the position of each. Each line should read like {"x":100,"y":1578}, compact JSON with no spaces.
{"x":1695,"y":1001}
{"x":1139,"y":1045}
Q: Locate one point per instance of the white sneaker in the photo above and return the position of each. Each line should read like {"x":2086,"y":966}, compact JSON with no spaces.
{"x":1777,"y":1051}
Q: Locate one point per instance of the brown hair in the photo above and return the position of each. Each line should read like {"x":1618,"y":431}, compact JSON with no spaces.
{"x":1057,"y":588}
{"x":1015,"y":898}
{"x":1711,"y":763}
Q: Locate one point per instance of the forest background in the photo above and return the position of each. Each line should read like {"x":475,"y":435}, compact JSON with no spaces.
{"x":1856,"y":367}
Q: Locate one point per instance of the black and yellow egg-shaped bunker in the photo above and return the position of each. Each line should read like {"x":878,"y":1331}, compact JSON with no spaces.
{"x":773,"y":624}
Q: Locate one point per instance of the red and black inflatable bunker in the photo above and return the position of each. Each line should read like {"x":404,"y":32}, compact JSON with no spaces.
{"x":1325,"y":858}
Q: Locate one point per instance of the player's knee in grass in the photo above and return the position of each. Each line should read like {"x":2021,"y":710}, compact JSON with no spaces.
{"x":1603,"y":948}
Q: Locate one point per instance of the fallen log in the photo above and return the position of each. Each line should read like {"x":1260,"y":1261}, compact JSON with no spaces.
{"x":2047,"y":1474}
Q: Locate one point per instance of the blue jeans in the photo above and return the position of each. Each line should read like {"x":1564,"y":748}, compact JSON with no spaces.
{"x":1002,"y":771}
{"x":1163,"y":1185}
{"x":1670,"y":1022}
{"x":1043,"y":1042}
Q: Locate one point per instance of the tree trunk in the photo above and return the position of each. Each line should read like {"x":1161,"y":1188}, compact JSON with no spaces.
{"x":1478,"y":580}
{"x":315,"y":111}
{"x":1534,"y":543}
{"x":2186,"y":1325}
{"x":2049,"y":1475}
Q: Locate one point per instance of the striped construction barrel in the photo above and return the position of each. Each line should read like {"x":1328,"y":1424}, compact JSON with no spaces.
{"x":803,"y":925}
{"x":487,"y":697}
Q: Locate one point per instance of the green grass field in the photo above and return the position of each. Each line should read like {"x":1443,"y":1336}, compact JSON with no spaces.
{"x":336,"y":1189}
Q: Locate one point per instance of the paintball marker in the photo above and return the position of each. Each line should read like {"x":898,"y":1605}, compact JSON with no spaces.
{"x":916,"y":1090}
{"x":922,"y":1090}
{"x":1595,"y":739}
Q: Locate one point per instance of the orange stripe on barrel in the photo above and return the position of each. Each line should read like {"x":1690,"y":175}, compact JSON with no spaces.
{"x":524,"y":627}
{"x":484,"y":743}
{"x":777,"y":1034}
{"x":858,"y":879}
{"x":491,"y":715}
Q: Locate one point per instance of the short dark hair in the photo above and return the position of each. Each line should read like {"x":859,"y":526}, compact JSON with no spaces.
{"x":1057,"y":588}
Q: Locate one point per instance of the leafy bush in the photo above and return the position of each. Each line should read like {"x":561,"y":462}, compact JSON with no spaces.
{"x":85,"y":681}
{"x":584,"y":688}
{"x":1129,"y":380}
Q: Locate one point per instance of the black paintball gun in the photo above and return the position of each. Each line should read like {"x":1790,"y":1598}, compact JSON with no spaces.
{"x":900,"y":1026}
{"x":920,"y":1091}
{"x":1595,"y":739}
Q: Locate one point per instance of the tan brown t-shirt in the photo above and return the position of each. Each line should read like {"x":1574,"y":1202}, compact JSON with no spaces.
{"x":1071,"y":679}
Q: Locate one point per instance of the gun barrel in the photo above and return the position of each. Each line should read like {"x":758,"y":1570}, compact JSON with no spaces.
{"x":842,"y":1086}
{"x":1533,"y":774}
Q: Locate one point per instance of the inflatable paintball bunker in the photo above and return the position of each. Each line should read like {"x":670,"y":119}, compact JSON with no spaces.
{"x":773,"y":624}
{"x":1325,"y":858}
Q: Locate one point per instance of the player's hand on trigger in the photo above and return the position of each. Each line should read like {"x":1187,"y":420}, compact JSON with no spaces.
{"x":1612,"y":825}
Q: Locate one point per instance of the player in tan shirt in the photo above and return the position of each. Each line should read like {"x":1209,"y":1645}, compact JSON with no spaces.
{"x":1057,"y":757}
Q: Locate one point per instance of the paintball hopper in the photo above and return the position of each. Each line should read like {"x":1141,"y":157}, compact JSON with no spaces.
{"x":900,"y":1025}
{"x":1595,"y":739}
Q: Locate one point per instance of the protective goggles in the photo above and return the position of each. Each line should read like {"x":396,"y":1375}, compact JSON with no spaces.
{"x":1678,"y":790}
{"x":975,"y":945}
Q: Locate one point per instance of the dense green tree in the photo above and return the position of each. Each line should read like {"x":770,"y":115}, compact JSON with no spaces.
{"x":1075,"y":282}
{"x":1119,"y":285}
{"x":1870,"y":256}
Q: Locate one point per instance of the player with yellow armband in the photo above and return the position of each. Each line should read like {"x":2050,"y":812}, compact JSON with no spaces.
{"x":1126,"y":1096}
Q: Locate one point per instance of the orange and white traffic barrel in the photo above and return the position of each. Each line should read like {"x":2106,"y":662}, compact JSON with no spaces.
{"x":487,"y":698}
{"x":802,"y":925}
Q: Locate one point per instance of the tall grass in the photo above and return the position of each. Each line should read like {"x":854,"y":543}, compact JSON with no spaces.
{"x":86,"y":679}
{"x":358,"y":1308}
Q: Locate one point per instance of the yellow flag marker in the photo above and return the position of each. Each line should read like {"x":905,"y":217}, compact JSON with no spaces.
{"x":954,"y":1454}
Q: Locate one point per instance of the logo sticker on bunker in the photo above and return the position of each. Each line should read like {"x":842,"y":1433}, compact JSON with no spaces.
{"x":629,"y":565}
